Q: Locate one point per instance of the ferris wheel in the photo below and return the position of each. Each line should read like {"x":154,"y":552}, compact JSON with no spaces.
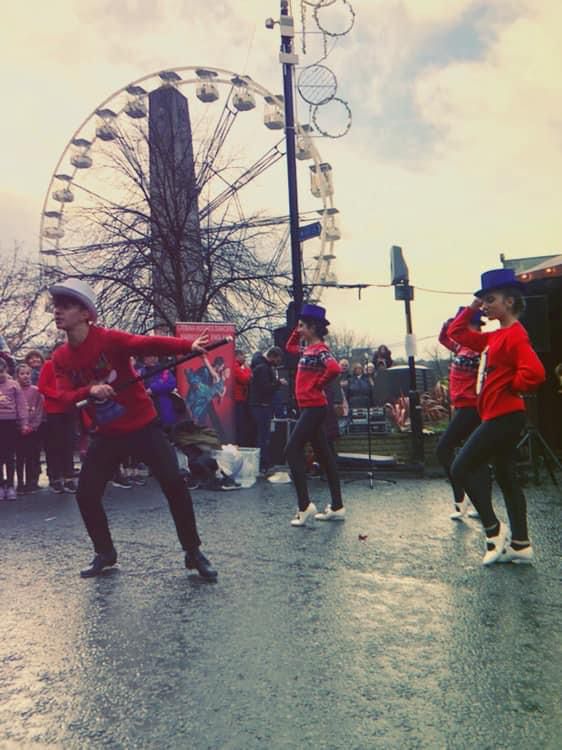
{"x":238,"y":163}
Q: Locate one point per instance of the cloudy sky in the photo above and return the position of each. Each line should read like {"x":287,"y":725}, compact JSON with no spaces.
{"x":455,"y":152}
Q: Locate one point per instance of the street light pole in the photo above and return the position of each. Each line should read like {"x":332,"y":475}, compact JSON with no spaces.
{"x":289,"y":59}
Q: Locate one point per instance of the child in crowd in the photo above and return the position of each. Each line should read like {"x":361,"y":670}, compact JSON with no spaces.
{"x":35,"y":361}
{"x":13,"y":419}
{"x":27,"y":444}
{"x":60,"y":433}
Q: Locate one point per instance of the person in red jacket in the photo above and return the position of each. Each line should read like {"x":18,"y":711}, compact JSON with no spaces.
{"x":316,"y":368}
{"x":242,"y":377}
{"x":59,"y":432}
{"x":508,"y":367}
{"x":462,"y":393}
{"x":92,"y":365}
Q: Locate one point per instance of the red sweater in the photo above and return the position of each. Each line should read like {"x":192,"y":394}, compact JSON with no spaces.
{"x":508,"y":366}
{"x":242,"y":377}
{"x":463,"y":371}
{"x":104,"y":356}
{"x":47,"y":385}
{"x":316,"y":368}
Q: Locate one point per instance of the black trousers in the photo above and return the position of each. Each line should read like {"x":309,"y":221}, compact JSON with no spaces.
{"x":465,"y":420}
{"x":153,"y":448}
{"x":310,"y":428}
{"x":27,"y":450}
{"x":8,"y":438}
{"x":59,"y":446}
{"x":262,"y":416}
{"x":494,"y":442}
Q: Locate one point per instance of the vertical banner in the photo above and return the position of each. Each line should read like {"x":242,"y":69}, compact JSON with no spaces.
{"x":207,"y":383}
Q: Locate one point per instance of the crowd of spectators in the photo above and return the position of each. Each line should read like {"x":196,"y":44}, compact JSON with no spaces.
{"x":35,"y":423}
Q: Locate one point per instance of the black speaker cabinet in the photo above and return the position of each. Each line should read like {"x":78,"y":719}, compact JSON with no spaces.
{"x":280,"y":337}
{"x":394,"y":382}
{"x":535,"y":320}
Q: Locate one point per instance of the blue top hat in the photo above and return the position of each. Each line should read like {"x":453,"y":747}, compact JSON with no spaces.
{"x":498,"y":278}
{"x":315,"y":312}
{"x":476,"y":319}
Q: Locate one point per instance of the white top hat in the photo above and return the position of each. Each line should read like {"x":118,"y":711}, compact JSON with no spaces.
{"x":81,"y":291}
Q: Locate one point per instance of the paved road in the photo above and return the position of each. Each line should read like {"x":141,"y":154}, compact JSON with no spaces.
{"x":310,"y":639}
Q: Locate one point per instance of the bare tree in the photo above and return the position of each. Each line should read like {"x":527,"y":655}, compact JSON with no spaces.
{"x":23,"y":322}
{"x":342,"y":342}
{"x":156,"y":253}
{"x":433,"y":358}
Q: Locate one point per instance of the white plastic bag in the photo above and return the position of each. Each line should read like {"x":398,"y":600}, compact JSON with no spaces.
{"x":230,"y":460}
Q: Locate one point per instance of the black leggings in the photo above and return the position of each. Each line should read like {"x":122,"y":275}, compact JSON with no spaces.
{"x":463,"y":424}
{"x":310,"y":428}
{"x":152,"y":447}
{"x":27,"y":449}
{"x":8,"y":437}
{"x":494,"y":442}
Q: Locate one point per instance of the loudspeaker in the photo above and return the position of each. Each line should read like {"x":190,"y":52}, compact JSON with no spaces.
{"x":394,"y":382}
{"x":535,"y":320}
{"x":280,"y":337}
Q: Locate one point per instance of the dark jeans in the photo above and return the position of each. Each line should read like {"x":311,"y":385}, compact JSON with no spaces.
{"x":8,"y":437}
{"x":242,"y":423}
{"x":494,"y":442}
{"x":27,"y":449}
{"x":463,"y":424}
{"x":152,"y":447}
{"x":309,"y":428}
{"x":262,"y":416}
{"x":59,"y":445}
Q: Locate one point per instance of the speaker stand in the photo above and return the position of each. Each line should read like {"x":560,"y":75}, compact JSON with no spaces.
{"x":370,"y":473}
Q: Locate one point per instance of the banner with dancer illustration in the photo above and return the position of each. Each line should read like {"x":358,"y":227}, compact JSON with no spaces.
{"x":206,"y":383}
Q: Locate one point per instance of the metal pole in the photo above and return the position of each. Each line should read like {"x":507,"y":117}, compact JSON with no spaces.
{"x":288,"y":59}
{"x":414,"y":396}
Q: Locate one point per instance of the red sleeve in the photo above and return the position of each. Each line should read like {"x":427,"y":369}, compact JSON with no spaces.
{"x":65,"y":392}
{"x":444,"y":339}
{"x":529,"y":372}
{"x":47,"y":383}
{"x":461,"y":333}
{"x":331,"y":371}
{"x":146,"y":345}
{"x":293,"y":345}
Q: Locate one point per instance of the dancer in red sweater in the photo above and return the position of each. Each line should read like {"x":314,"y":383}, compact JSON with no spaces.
{"x":316,"y":368}
{"x":508,"y":368}
{"x":87,"y":367}
{"x":462,"y":392}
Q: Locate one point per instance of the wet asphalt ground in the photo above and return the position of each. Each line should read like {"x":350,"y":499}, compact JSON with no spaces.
{"x":312,"y":638}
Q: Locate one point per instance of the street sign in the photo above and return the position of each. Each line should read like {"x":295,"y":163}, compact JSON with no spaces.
{"x":309,"y":231}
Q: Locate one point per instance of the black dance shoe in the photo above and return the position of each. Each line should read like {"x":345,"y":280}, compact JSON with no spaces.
{"x":101,"y":560}
{"x":196,"y":560}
